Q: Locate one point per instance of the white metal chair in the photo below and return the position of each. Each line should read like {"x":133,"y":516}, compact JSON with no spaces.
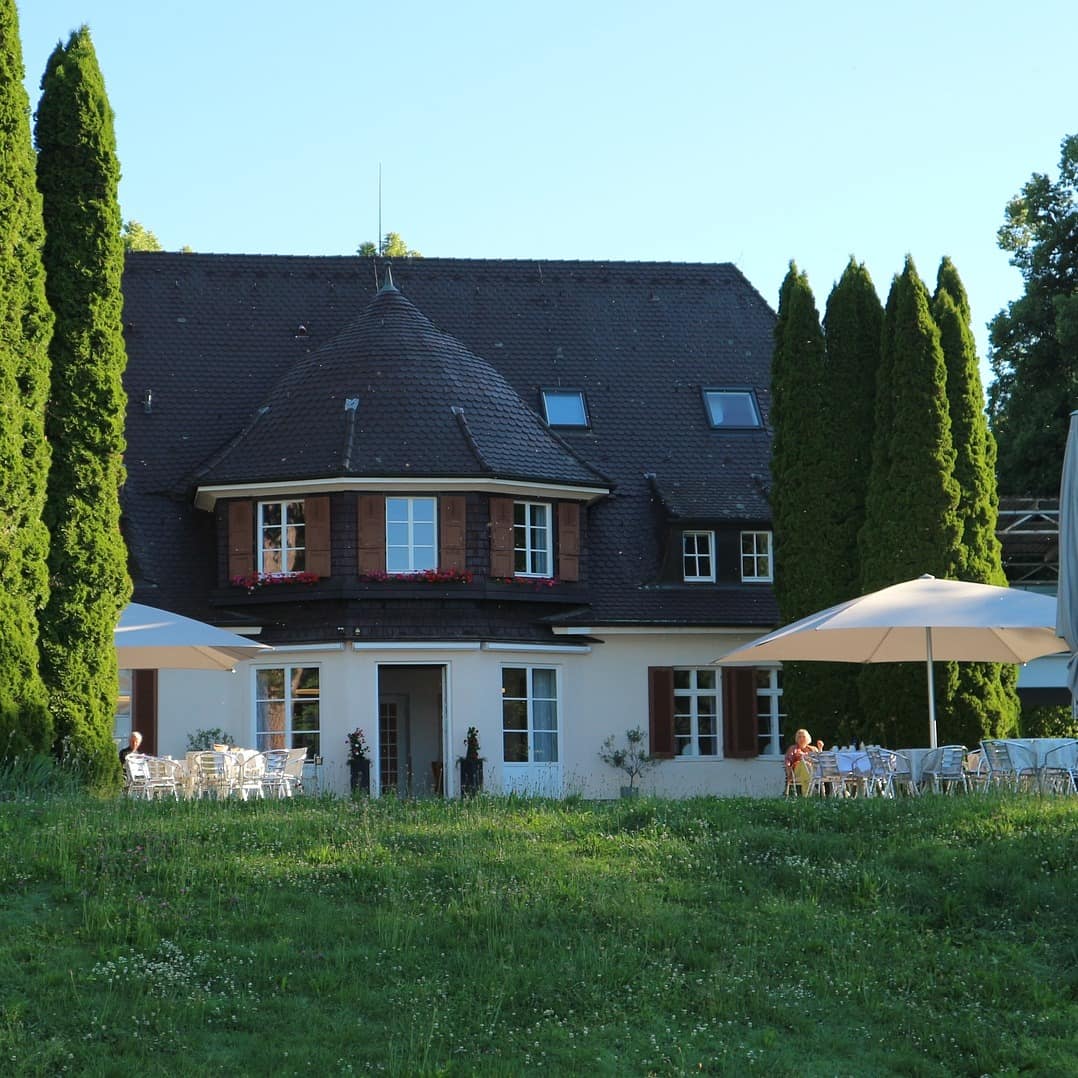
{"x":293,"y":768}
{"x":137,"y":776}
{"x":214,"y":774}
{"x":827,"y":778}
{"x":275,"y":779}
{"x":164,"y":777}
{"x":249,"y":774}
{"x":1059,"y":772}
{"x":1010,"y":765}
{"x":944,"y":770}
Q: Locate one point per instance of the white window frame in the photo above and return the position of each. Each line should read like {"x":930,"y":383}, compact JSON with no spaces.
{"x":530,"y":699}
{"x":292,"y":553}
{"x":696,"y":556}
{"x":414,"y":564}
{"x":123,"y":721}
{"x":769,"y":711}
{"x":533,"y":539}
{"x":688,"y":745}
{"x":292,"y":696}
{"x":757,"y":557}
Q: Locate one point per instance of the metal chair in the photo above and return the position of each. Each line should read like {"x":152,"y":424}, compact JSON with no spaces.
{"x":828,"y":780}
{"x":164,"y":777}
{"x":249,"y":774}
{"x":275,"y":779}
{"x":214,"y":774}
{"x":294,"y":767}
{"x":944,"y":770}
{"x":137,"y":776}
{"x":1010,"y":765}
{"x":1059,"y":772}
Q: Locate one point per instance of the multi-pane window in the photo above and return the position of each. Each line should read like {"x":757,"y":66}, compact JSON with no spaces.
{"x":529,"y":715}
{"x":411,"y":528}
{"x":756,"y":556}
{"x":287,"y":708}
{"x":731,"y":408}
{"x":696,"y":712}
{"x":698,"y":555}
{"x":531,"y":539}
{"x":281,"y":537}
{"x":769,"y":713}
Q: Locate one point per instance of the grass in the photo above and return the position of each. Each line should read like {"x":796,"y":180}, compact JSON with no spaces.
{"x":502,"y":937}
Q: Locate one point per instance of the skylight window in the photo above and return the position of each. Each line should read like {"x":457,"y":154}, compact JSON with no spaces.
{"x":565,"y":408}
{"x":728,"y":408}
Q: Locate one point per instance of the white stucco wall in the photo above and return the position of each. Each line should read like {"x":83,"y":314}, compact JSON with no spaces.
{"x":601,"y":692}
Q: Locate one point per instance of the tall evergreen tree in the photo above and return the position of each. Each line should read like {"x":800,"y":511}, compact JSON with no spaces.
{"x":25,"y":327}
{"x":800,"y":439}
{"x":78,"y":175}
{"x":911,"y":509}
{"x":985,"y":701}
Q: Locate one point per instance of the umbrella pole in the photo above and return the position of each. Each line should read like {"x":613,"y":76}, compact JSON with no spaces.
{"x":931,"y":692}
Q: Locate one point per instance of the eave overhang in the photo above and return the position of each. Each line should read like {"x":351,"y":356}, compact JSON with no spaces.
{"x":207,"y":497}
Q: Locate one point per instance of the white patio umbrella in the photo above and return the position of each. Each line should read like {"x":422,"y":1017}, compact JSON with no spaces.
{"x":151,"y":639}
{"x":917,"y":621}
{"x":1067,"y":605}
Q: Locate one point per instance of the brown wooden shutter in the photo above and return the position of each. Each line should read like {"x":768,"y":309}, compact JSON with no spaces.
{"x":569,"y":541}
{"x":661,"y":711}
{"x":241,"y":539}
{"x":144,"y":708}
{"x":501,"y":536}
{"x":316,"y":515}
{"x":739,"y":712}
{"x":452,"y":553}
{"x":372,"y":533}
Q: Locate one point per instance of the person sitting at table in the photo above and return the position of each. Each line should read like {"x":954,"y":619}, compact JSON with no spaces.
{"x":134,"y":744}
{"x":798,"y":768}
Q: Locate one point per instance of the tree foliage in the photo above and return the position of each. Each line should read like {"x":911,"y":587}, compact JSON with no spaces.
{"x":392,"y":247}
{"x":911,"y":509}
{"x":25,"y":328}
{"x":136,"y":237}
{"x":78,"y":175}
{"x":985,"y":698}
{"x":1034,"y":342}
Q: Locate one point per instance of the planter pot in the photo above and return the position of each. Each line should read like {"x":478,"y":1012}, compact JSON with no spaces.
{"x":359,"y":776}
{"x":471,"y":776}
{"x":630,"y":791}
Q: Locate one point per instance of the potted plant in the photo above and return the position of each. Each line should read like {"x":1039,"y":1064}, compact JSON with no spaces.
{"x":359,"y":762}
{"x":633,"y":758}
{"x":471,"y":765}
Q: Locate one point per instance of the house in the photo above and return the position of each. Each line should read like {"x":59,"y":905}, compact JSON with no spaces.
{"x":528,"y":497}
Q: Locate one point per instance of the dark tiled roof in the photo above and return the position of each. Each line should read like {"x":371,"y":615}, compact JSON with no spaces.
{"x":210,"y":336}
{"x":392,"y":396}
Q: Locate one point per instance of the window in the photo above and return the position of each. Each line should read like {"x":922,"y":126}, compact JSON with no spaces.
{"x":697,"y":557}
{"x":531,"y":539}
{"x":410,"y":535}
{"x":731,"y":408}
{"x":696,"y":712}
{"x":529,"y":715}
{"x":287,"y":708}
{"x":769,"y":713}
{"x":281,"y":537}
{"x":565,"y":408}
{"x":756,"y":556}
{"x":123,"y":723}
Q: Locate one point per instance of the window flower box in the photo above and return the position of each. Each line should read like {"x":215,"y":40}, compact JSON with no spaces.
{"x":253,"y":581}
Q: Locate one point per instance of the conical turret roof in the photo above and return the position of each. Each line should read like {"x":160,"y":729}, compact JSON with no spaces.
{"x":391,"y":396}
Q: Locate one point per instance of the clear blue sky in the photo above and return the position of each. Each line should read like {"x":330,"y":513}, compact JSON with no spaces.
{"x":694,"y":130}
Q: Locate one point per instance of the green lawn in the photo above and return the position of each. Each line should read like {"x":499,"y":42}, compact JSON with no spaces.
{"x":932,"y":937}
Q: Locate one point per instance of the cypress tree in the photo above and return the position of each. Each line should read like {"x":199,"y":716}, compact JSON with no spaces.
{"x":799,"y":441}
{"x":78,"y":175}
{"x":911,"y":508}
{"x":25,"y":327}
{"x":985,"y":701}
{"x":852,"y":327}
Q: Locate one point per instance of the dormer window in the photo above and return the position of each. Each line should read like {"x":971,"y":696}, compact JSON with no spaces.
{"x":698,"y":557}
{"x":565,"y":408}
{"x":731,"y":408}
{"x":282,"y":546}
{"x":756,"y":557}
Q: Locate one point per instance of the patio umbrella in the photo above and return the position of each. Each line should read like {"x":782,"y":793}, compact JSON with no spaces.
{"x":918,"y":621}
{"x":151,"y":639}
{"x":1067,"y":604}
